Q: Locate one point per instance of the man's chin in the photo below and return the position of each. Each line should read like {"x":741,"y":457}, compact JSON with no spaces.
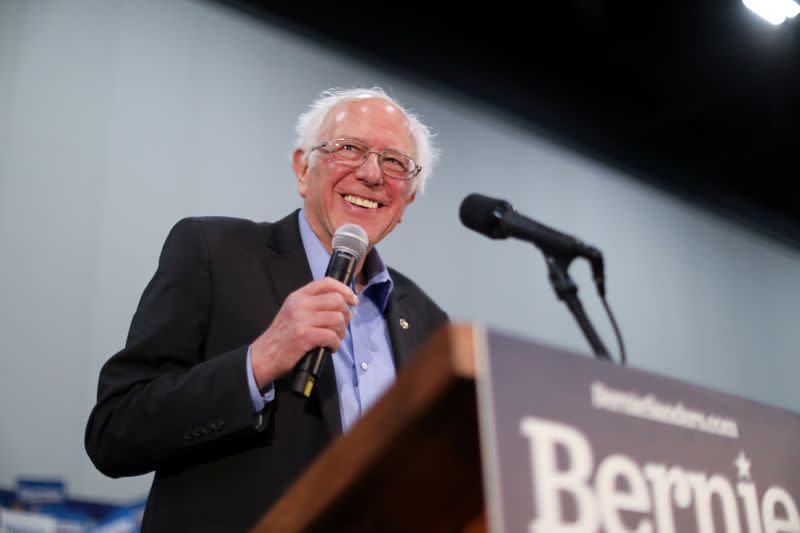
{"x":373,"y":221}
{"x":375,"y":232}
{"x":364,"y":218}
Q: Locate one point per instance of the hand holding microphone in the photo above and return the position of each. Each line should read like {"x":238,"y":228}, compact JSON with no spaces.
{"x":312,"y":320}
{"x":349,"y":243}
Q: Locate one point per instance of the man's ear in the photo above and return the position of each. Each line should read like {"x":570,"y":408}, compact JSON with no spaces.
{"x":300,"y":166}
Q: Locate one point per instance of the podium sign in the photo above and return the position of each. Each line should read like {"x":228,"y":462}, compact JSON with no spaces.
{"x":571,"y":444}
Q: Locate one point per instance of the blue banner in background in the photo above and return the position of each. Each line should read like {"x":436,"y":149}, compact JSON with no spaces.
{"x":40,"y":491}
{"x":42,"y":506}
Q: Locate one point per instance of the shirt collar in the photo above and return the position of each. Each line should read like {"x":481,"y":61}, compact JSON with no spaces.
{"x":379,"y":285}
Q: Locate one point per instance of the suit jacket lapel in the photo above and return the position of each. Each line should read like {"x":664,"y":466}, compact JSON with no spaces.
{"x":287,"y":265}
{"x":396,"y":317}
{"x":286,"y":260}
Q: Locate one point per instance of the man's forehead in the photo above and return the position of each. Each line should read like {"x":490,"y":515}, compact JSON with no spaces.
{"x":366,"y":105}
{"x":372,"y":109}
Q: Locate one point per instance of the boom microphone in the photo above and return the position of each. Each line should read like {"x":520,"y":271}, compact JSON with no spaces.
{"x":497,"y":220}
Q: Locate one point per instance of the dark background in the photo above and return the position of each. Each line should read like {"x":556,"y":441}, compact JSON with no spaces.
{"x":698,"y":98}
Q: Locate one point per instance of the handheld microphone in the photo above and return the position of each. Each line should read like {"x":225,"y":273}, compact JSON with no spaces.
{"x":497,"y":220}
{"x":349,"y":243}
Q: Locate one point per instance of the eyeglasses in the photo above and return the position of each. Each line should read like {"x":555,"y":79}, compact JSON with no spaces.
{"x":353,"y":153}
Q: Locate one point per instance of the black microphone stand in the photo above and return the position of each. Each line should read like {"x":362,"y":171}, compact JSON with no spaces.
{"x":567,"y":291}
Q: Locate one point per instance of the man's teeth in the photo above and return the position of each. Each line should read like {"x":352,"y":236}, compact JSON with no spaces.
{"x":362,"y":202}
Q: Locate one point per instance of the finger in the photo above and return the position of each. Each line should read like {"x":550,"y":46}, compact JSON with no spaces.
{"x":328,"y":285}
{"x":323,"y":337}
{"x":299,"y":306}
{"x":331,"y":301}
{"x":331,"y":320}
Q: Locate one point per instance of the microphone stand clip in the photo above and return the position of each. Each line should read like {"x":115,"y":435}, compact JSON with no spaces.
{"x":567,"y":291}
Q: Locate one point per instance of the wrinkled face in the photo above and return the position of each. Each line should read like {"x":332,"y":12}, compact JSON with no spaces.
{"x":335,"y":194}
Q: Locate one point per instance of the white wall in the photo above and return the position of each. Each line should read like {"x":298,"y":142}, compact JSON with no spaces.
{"x":118,"y":118}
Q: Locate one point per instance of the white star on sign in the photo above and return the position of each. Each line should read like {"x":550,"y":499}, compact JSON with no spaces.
{"x":742,"y":465}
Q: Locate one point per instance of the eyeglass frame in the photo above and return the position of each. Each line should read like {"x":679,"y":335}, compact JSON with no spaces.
{"x":413,"y":174}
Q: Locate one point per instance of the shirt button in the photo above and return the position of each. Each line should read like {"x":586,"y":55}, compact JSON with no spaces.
{"x":364,"y":365}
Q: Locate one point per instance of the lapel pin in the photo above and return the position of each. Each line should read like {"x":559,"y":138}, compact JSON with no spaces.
{"x":404,"y":323}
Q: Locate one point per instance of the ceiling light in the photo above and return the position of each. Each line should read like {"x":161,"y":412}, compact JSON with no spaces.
{"x":773,"y":11}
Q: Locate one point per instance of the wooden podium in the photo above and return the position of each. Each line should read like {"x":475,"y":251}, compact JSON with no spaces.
{"x":411,"y":463}
{"x":566,"y":443}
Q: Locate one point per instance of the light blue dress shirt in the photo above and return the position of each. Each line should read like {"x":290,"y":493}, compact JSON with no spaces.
{"x":363,"y":364}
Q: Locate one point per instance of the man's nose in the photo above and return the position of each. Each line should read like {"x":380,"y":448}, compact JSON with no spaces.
{"x":370,"y":170}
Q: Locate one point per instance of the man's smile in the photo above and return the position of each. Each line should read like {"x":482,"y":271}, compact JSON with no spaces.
{"x":361,"y":201}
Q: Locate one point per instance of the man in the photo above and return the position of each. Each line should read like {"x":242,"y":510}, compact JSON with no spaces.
{"x":201,"y":392}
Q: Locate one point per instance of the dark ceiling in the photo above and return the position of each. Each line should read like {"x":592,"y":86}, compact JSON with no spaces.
{"x":700,"y":98}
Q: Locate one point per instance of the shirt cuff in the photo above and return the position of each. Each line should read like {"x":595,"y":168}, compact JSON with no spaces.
{"x":260,"y":397}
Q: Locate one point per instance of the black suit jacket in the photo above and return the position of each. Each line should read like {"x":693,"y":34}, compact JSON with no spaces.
{"x":175,"y":400}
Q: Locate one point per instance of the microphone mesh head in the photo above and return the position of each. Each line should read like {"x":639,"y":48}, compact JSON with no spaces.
{"x":483,"y":214}
{"x":351,"y":238}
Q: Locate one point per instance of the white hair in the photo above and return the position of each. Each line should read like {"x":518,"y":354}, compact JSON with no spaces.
{"x":309,"y":126}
